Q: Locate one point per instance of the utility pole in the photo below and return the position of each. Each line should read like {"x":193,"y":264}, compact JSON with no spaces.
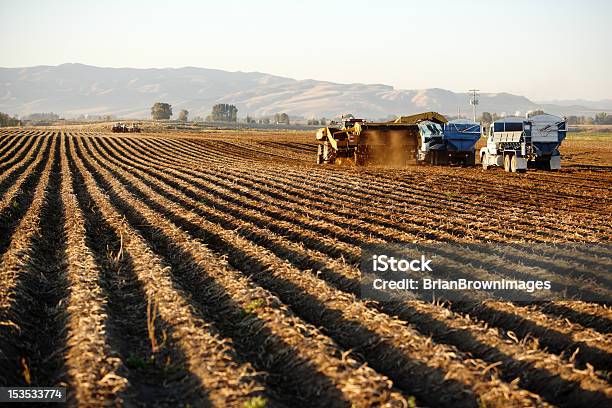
{"x":474,"y":101}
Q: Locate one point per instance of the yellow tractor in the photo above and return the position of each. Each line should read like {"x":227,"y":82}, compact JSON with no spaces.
{"x":359,"y":142}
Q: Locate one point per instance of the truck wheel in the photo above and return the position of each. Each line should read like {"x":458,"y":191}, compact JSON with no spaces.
{"x":471,"y":161}
{"x":507,"y":162}
{"x":439,"y":158}
{"x":483,"y":161}
{"x":513,"y":164}
{"x":320,"y":154}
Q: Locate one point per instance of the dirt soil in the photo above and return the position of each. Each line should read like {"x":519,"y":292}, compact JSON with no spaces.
{"x":221,"y":268}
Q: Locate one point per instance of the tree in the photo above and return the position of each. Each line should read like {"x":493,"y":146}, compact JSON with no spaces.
{"x":183,"y":115}
{"x":281,"y":118}
{"x":313,"y":122}
{"x":161,"y":110}
{"x":572,"y":120}
{"x":6,"y":120}
{"x":223,"y":112}
{"x":486,"y":118}
{"x":323,"y":121}
{"x":265,"y":121}
{"x":600,"y":118}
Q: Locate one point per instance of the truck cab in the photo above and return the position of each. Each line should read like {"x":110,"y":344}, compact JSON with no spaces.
{"x":508,"y":145}
{"x":431,"y":142}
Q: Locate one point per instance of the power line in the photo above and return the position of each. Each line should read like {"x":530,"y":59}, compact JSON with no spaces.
{"x":474,"y":101}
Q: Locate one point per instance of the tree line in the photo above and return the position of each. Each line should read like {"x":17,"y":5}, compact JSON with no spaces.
{"x":6,"y":120}
{"x":601,"y":118}
{"x":36,"y":118}
{"x":221,"y":112}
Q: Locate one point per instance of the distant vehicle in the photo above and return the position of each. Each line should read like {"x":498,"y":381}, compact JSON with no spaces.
{"x":123,"y":128}
{"x":119,"y":128}
{"x":514,"y":143}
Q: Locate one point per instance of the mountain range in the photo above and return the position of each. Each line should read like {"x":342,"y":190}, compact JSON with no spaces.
{"x":76,"y":89}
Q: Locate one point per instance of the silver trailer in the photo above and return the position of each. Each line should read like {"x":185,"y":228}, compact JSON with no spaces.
{"x":514,"y":143}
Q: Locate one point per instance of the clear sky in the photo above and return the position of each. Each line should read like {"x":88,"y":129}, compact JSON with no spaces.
{"x":541,"y":49}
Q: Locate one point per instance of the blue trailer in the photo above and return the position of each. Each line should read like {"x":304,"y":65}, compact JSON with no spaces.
{"x":452,"y":143}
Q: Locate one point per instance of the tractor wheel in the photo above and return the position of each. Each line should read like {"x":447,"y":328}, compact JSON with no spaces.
{"x":319,"y":154}
{"x":507,"y":160}
{"x":327,"y":159}
{"x":483,"y":161}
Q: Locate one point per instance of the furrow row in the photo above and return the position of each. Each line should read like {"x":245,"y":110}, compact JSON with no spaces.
{"x":305,"y":292}
{"x":225,"y":380}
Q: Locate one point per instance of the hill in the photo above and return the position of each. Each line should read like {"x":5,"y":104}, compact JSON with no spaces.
{"x":77,"y":89}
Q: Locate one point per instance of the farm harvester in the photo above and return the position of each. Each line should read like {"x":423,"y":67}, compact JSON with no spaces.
{"x":359,"y":142}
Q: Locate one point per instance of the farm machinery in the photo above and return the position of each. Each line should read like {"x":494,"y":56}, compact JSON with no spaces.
{"x":398,"y":142}
{"x":459,"y":142}
{"x":123,"y":128}
{"x":444,"y":143}
{"x":515,"y":143}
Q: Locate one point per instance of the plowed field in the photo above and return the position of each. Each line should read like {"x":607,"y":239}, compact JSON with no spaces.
{"x":221,"y":269}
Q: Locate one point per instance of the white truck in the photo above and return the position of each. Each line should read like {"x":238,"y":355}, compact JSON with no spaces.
{"x":514,"y":143}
